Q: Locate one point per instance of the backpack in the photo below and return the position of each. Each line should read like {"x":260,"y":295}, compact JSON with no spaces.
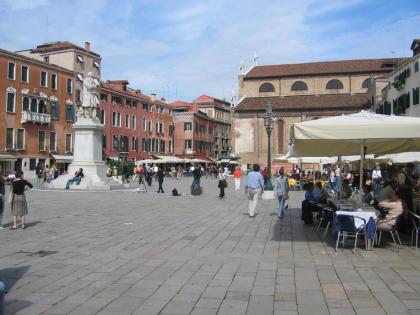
{"x":175,"y":192}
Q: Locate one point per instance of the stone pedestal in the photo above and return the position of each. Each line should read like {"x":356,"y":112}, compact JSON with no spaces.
{"x":268,"y":195}
{"x":87,"y":154}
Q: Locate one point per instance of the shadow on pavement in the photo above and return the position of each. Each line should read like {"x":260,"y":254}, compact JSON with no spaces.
{"x":9,"y":276}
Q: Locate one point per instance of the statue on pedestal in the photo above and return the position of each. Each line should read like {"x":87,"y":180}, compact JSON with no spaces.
{"x":90,"y":99}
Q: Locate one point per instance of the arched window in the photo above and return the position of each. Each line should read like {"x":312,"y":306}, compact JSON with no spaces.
{"x":299,"y":86}
{"x":366,"y":83}
{"x":34,"y":105}
{"x":266,"y":87}
{"x":25,"y":103}
{"x":334,"y":85}
{"x":41,"y":107}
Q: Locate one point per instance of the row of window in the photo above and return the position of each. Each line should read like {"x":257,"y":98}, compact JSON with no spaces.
{"x":132,"y":123}
{"x":156,"y":145}
{"x":80,"y":59}
{"x":39,"y":105}
{"x":400,"y":104}
{"x":15,"y":140}
{"x":198,"y":128}
{"x":24,"y":77}
{"x":333,"y":84}
{"x":200,"y":146}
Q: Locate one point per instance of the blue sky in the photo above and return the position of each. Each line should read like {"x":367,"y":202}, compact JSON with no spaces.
{"x":181,"y":49}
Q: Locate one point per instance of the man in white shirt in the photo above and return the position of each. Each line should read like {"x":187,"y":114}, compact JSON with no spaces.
{"x":376,"y":179}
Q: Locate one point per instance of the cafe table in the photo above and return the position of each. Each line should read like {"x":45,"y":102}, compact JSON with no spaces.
{"x":368,"y":215}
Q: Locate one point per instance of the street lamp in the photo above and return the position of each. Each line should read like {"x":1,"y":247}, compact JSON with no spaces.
{"x":268,"y":123}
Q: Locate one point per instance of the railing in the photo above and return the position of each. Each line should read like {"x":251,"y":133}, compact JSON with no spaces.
{"x":35,"y":117}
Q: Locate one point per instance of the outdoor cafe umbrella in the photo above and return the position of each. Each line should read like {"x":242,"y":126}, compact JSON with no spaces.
{"x":306,"y":159}
{"x":398,"y":158}
{"x":360,"y":133}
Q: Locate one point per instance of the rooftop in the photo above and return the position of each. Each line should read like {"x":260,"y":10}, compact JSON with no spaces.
{"x":57,"y":46}
{"x":325,"y":67}
{"x":290,"y":103}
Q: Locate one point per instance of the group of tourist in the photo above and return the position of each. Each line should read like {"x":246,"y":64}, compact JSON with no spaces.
{"x":46,"y":174}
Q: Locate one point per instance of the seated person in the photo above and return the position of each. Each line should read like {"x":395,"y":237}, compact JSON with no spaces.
{"x":346,"y":190}
{"x":319,"y":194}
{"x":309,"y":187}
{"x":387,"y":191}
{"x":76,"y":179}
{"x":307,"y":206}
{"x":394,"y":208}
{"x":367,"y":195}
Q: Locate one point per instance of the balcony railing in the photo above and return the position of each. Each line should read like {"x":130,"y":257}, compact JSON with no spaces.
{"x":35,"y":117}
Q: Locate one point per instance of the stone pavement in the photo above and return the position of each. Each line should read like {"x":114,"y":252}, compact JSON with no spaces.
{"x":123,"y":252}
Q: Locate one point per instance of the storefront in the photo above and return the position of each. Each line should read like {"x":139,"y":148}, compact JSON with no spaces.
{"x":7,"y":163}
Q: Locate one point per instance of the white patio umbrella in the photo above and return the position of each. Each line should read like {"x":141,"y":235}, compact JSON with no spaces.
{"x":360,"y":133}
{"x":146,"y":161}
{"x":306,"y":159}
{"x":195,"y":160}
{"x":399,"y":158}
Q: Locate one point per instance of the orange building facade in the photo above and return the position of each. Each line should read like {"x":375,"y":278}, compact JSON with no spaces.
{"x":36,"y":113}
{"x":194,"y":133}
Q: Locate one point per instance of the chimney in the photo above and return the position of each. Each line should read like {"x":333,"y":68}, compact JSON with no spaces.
{"x":153,"y":97}
{"x":87,"y":46}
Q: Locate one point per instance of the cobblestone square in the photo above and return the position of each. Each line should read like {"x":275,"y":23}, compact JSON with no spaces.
{"x":124,"y":252}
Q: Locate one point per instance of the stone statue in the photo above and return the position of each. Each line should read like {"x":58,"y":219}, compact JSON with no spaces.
{"x":90,"y":100}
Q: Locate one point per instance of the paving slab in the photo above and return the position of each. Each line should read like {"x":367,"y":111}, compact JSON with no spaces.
{"x":124,"y":252}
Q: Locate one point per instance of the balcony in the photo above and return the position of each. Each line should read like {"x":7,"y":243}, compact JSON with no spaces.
{"x":35,"y":117}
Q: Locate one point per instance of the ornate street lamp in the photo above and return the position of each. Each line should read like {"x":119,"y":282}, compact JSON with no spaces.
{"x":268,"y":123}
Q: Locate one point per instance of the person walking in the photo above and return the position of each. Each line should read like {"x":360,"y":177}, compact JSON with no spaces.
{"x":2,"y":197}
{"x":18,"y":204}
{"x":282,"y":191}
{"x":160,"y":176}
{"x":125,"y":173}
{"x":38,"y":173}
{"x":237,"y":177}
{"x":222,"y":182}
{"x":196,"y":175}
{"x":254,"y":187}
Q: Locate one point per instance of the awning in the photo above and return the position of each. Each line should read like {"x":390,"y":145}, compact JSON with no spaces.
{"x":7,"y":157}
{"x":62,"y":158}
{"x":167,"y":159}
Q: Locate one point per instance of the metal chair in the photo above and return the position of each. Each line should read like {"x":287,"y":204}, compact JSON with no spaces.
{"x":347,"y":227}
{"x":392,"y":229}
{"x":416,"y":227}
{"x":327,"y":215}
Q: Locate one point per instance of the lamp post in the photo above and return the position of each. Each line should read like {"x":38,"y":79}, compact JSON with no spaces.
{"x":268,"y":123}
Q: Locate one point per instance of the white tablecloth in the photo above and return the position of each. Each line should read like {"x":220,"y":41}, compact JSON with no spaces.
{"x":362,"y":214}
